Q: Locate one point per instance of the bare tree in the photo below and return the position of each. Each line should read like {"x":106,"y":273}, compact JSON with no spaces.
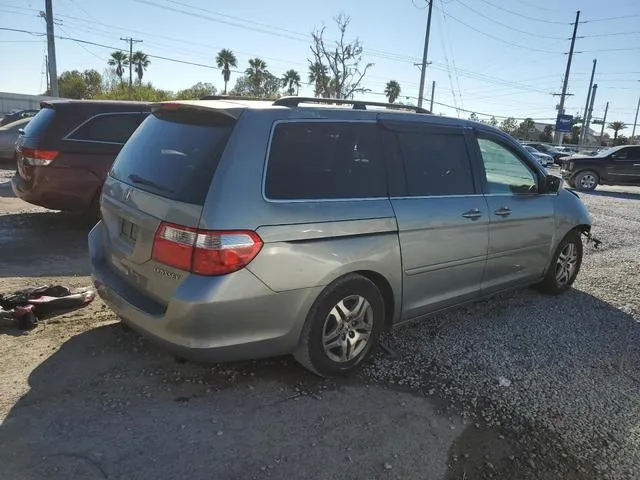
{"x":342,"y":61}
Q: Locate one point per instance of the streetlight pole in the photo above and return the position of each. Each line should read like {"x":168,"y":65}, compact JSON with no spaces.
{"x":635,"y":121}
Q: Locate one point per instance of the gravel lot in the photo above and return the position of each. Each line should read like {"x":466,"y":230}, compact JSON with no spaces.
{"x":518,"y":386}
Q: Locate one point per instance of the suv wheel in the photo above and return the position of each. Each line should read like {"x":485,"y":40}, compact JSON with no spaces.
{"x":342,"y":327}
{"x":586,"y":181}
{"x":564,"y":266}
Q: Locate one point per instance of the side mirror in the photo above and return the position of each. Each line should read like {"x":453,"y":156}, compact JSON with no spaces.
{"x":552,"y":184}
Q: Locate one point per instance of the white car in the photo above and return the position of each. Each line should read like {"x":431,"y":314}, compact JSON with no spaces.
{"x":542,"y":158}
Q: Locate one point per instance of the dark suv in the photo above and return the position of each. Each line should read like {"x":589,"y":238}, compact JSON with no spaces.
{"x":613,"y":166}
{"x":68,"y":148}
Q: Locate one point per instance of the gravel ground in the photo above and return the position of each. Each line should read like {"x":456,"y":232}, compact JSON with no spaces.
{"x":521,"y":386}
{"x":566,"y":365}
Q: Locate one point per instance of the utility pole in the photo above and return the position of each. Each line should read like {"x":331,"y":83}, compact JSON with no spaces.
{"x":558,"y":135}
{"x":583,"y":130}
{"x":433,"y":92}
{"x":424,"y":55}
{"x":51,"y":47}
{"x":633,"y":133}
{"x":604,"y":121}
{"x":131,"y":42}
{"x":593,"y":99}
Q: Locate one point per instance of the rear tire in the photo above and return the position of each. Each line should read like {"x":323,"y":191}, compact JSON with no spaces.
{"x":342,"y":327}
{"x":565,"y":265}
{"x":586,"y":181}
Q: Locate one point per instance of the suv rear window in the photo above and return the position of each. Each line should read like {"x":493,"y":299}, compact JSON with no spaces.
{"x":174,"y":154}
{"x":325,"y":160}
{"x":38,"y":124}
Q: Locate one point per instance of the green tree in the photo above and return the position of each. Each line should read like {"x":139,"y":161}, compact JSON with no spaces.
{"x":225,"y":60}
{"x":76,"y":84}
{"x":474,"y":117}
{"x":118,"y":60}
{"x":620,"y":140}
{"x":196,"y":91}
{"x":318,"y":76}
{"x":616,"y":127}
{"x":341,"y":59}
{"x":392,"y":90}
{"x":492,"y":121}
{"x":547,"y":134}
{"x":509,"y":125}
{"x":140,"y":62}
{"x":268,"y":88}
{"x":291,"y":81}
{"x":525,"y":129}
{"x":255,"y":74}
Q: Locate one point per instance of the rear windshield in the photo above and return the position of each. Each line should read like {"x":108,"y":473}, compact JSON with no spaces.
{"x":174,"y":154}
{"x":38,"y":124}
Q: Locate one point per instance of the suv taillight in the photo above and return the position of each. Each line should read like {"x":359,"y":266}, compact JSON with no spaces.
{"x":38,"y":158}
{"x":204,"y":252}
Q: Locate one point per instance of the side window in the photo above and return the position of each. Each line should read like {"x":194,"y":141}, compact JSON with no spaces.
{"x":436,"y":163}
{"x":506,"y":173}
{"x":634,"y":154}
{"x":325,"y":160}
{"x":112,"y":128}
{"x":622,"y":154}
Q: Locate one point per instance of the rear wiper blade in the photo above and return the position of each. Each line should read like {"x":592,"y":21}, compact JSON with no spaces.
{"x":143,"y":181}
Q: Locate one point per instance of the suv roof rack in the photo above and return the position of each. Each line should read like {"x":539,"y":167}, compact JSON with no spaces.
{"x":357,"y":104}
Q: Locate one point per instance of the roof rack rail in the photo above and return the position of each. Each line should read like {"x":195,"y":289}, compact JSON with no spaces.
{"x":357,"y":104}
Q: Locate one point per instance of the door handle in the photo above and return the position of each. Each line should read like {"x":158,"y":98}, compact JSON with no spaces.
{"x":473,"y":214}
{"x":503,"y":212}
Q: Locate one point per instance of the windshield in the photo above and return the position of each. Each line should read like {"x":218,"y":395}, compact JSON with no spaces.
{"x":608,"y":151}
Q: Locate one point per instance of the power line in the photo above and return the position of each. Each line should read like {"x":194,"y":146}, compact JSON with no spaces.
{"x":493,"y":20}
{"x":517,"y":14}
{"x":611,"y":18}
{"x":498,"y":39}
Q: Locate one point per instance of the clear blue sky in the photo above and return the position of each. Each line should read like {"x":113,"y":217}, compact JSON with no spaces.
{"x":502,"y":57}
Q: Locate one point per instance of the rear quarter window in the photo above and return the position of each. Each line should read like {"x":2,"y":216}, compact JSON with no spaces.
{"x":108,"y":128}
{"x":325,"y":160}
{"x":174,"y":154}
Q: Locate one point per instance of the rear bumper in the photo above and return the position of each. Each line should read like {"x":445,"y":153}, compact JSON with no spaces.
{"x":231,"y":317}
{"x":57,"y":188}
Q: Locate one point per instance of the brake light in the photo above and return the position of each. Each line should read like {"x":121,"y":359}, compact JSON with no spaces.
{"x":38,"y":158}
{"x":205,"y":252}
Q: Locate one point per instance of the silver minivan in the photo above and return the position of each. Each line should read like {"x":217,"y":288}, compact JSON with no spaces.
{"x":235,"y":229}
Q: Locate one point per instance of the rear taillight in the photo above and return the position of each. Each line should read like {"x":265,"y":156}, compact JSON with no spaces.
{"x":205,"y":252}
{"x":38,"y":158}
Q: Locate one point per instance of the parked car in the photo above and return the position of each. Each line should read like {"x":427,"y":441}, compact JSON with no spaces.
{"x":68,"y":148}
{"x":613,"y":166}
{"x":239,"y":229}
{"x":548,"y":149}
{"x":544,"y":159}
{"x":17,"y":115}
{"x":8,"y":136}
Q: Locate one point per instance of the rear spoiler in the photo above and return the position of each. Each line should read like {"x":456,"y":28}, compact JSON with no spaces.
{"x":230,"y":110}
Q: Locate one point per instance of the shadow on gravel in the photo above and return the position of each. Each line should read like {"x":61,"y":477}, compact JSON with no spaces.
{"x":108,"y":404}
{"x":605,"y":193}
{"x":44,"y":244}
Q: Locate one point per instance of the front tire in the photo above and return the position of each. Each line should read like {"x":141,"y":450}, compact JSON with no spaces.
{"x":564,"y":266}
{"x":342,"y":327}
{"x":586,"y":181}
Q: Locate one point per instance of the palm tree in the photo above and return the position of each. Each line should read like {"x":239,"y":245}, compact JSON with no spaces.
{"x":616,"y":127}
{"x":318,"y":76}
{"x":256,"y":73}
{"x":225,"y":60}
{"x":141,"y":62}
{"x":392,"y":90}
{"x":291,"y":81}
{"x":119,"y":60}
